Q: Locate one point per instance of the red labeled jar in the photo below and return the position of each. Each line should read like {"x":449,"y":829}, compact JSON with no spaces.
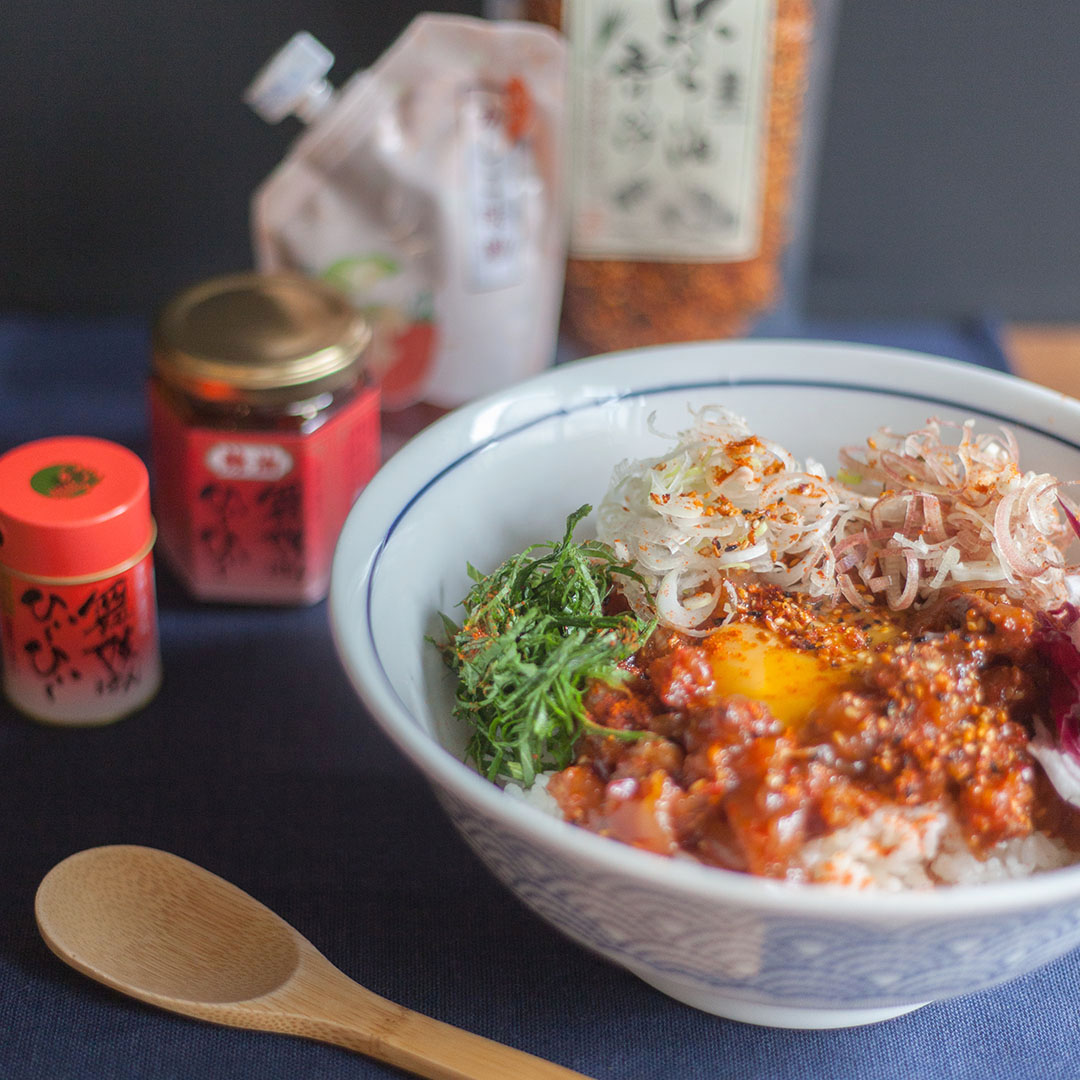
{"x":265,"y":427}
{"x":78,"y":614}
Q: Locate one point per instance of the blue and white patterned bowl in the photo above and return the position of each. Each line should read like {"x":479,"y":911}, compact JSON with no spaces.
{"x":504,"y":472}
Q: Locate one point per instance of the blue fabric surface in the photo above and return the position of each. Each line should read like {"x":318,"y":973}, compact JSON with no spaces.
{"x":256,"y":761}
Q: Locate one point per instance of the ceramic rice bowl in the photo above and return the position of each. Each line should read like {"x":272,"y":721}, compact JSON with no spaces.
{"x":495,"y":476}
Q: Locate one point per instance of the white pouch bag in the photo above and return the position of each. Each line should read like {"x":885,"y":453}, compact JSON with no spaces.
{"x":430,"y":189}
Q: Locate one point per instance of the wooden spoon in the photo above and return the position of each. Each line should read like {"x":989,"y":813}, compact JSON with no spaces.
{"x":168,"y":932}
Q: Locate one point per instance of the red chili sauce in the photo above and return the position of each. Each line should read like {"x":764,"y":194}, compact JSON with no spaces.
{"x":792,"y":722}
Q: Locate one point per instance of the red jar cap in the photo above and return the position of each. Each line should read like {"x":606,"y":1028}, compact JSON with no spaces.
{"x":73,"y":507}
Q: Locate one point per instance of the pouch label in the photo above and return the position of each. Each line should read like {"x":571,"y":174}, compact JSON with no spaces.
{"x":494,"y":197}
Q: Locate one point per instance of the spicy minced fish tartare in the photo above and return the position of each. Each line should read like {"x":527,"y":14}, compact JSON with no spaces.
{"x":867,"y":679}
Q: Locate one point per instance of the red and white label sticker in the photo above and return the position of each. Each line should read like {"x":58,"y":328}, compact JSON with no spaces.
{"x":248,"y":461}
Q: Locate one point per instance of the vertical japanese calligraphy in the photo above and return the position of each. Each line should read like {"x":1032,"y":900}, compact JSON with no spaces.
{"x":78,"y":653}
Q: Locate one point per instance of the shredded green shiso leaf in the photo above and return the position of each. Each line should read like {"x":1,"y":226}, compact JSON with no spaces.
{"x":533,"y":636}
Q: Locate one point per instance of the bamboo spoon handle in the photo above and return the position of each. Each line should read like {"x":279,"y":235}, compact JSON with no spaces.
{"x":438,"y":1051}
{"x":323,"y":1003}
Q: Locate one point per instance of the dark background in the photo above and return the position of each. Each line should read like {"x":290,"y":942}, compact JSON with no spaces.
{"x":949,"y":161}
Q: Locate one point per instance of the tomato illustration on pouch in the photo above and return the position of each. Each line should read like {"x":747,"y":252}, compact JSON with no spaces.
{"x":402,"y":319}
{"x":414,"y":349}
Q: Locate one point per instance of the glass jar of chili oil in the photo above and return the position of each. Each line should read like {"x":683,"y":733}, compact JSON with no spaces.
{"x":265,"y":427}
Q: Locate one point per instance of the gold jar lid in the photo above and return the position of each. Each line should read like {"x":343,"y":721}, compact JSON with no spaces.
{"x":259,"y":339}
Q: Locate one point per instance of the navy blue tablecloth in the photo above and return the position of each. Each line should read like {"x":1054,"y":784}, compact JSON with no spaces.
{"x":256,"y":761}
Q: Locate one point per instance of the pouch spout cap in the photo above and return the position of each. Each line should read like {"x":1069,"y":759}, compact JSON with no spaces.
{"x":293,"y":81}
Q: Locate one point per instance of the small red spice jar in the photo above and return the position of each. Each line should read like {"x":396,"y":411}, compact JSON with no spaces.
{"x":264,"y":427}
{"x":78,"y":614}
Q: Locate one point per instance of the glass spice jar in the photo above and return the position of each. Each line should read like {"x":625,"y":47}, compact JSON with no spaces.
{"x":78,"y":613}
{"x":265,"y":427}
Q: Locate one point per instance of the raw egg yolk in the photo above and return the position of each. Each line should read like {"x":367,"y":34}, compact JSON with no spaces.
{"x":755,"y":663}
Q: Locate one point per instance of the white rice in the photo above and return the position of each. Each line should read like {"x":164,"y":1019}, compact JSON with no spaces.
{"x":900,"y":847}
{"x":895,"y":848}
{"x":537,"y":794}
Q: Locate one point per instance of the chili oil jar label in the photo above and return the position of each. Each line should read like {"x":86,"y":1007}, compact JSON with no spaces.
{"x":251,"y":517}
{"x":264,"y":430}
{"x":78,"y":613}
{"x":668,"y":127}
